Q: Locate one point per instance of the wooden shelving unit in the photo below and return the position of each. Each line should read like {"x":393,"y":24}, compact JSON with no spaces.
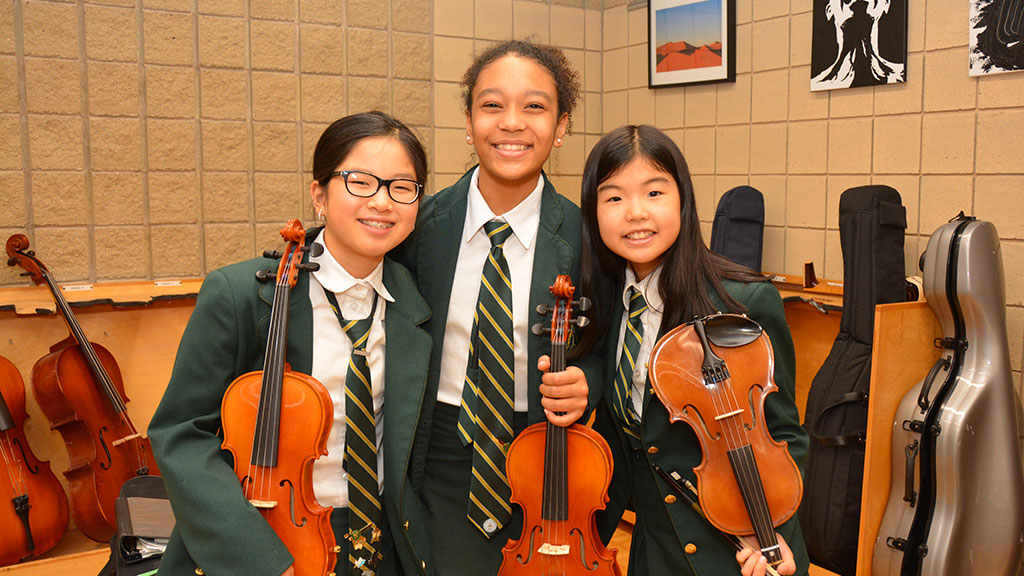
{"x":140,"y":323}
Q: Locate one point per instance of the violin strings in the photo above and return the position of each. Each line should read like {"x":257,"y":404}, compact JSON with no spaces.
{"x":747,"y":475}
{"x":17,"y":482}
{"x":269,"y":402}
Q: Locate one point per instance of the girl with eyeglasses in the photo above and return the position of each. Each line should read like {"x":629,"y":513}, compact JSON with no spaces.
{"x":368,"y":174}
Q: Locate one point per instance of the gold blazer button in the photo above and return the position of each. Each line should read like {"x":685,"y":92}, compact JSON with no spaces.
{"x":652,"y":450}
{"x":690,"y":548}
{"x":670,"y":499}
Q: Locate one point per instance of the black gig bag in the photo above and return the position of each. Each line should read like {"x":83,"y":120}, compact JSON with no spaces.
{"x":872,"y":224}
{"x":738,"y":230}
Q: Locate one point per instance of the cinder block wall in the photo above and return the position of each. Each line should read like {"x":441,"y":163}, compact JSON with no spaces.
{"x":164,"y":138}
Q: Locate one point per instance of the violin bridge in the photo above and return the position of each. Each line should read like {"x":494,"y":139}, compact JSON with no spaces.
{"x":729,"y":414}
{"x":127,"y":438}
{"x":263,"y":504}
{"x":554,"y":549}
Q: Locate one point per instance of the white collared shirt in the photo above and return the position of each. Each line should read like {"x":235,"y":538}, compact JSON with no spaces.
{"x":651,"y":321}
{"x":519,"y":250}
{"x":331,"y":352}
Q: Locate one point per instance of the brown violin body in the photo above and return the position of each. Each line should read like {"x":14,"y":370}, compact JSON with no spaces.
{"x":284,"y":493}
{"x":564,"y":547}
{"x":103,"y":447}
{"x":559,"y":476}
{"x":740,"y":460}
{"x":78,"y":386}
{"x":33,"y":508}
{"x":276,"y":423}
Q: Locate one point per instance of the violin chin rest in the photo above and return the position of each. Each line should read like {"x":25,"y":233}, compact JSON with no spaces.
{"x":731,"y":330}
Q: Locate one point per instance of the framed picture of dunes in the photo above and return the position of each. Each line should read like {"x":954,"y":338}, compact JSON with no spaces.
{"x":691,"y":42}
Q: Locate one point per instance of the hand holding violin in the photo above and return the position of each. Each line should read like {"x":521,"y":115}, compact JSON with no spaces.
{"x":564,"y":394}
{"x":753,"y":563}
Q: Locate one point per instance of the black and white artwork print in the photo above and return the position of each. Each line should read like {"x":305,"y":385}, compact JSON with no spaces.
{"x":997,"y":36}
{"x":858,"y":43}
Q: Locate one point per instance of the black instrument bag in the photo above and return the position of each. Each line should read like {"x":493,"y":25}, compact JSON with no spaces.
{"x":144,"y":524}
{"x":872,"y":223}
{"x":738,"y":230}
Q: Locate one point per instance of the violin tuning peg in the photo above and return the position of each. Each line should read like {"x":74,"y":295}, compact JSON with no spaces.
{"x":581,"y":321}
{"x":316,"y":249}
{"x":583,"y":303}
{"x":539,"y":329}
{"x":273,"y":254}
{"x":264,"y":275}
{"x":31,"y":252}
{"x":310,"y":266}
{"x":12,"y":261}
{"x":25,"y":274}
{"x":543,"y":309}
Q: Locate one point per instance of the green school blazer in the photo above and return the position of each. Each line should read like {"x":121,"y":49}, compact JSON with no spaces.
{"x":674,"y":447}
{"x":217,"y":529}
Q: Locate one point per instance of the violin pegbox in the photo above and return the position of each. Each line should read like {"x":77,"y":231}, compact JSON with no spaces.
{"x":562,"y":321}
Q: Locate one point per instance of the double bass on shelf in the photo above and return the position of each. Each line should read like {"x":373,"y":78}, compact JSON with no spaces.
{"x":78,"y":386}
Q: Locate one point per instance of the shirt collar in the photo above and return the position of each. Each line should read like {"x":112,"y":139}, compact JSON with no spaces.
{"x":523,"y":219}
{"x":649,"y":287}
{"x":333,"y":276}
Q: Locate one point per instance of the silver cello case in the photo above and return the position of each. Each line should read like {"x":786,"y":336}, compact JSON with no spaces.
{"x":956,"y":504}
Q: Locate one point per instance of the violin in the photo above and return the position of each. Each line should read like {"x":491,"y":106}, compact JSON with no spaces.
{"x":276,"y":423}
{"x":33,"y":509}
{"x":79,"y":388}
{"x":559,"y":529}
{"x":714,"y":374}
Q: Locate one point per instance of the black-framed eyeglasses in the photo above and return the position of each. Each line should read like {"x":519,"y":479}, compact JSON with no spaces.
{"x":365,"y":185}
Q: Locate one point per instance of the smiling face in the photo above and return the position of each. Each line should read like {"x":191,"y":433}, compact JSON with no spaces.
{"x":513,"y":124}
{"x":638,"y":214}
{"x":360,"y":231}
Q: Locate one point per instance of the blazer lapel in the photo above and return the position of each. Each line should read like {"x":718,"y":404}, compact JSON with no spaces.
{"x":442,"y":224}
{"x":407,"y":359}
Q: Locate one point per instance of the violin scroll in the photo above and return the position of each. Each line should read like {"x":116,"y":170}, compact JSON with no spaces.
{"x":18,"y":254}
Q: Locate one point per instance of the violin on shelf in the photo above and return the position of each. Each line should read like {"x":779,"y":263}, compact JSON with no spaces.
{"x":714,"y":373}
{"x":559,"y":529}
{"x":276,"y":423}
{"x":79,"y":388}
{"x":33,"y":508}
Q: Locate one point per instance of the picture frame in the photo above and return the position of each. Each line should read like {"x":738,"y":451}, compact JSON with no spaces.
{"x":690,"y":42}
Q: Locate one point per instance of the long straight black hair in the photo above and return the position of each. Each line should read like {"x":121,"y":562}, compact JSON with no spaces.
{"x":689,"y":268}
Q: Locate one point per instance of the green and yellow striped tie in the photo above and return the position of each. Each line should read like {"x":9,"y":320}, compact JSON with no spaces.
{"x":485,"y":419}
{"x":360,"y":450}
{"x":627,"y":364}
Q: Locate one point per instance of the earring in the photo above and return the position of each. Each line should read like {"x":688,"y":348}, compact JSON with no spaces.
{"x":320,"y":216}
{"x":469,"y":139}
{"x":559,"y":140}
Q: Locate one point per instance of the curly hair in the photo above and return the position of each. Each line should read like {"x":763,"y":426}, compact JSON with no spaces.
{"x":567,"y":79}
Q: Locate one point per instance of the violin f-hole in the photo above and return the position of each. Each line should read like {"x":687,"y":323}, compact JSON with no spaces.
{"x":106,"y":450}
{"x":589,"y":566}
{"x":25,"y":459}
{"x":291,"y":503}
{"x":533,"y":533}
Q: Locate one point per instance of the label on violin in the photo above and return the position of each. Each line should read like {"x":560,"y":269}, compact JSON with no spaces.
{"x":76,"y":287}
{"x":165,"y":283}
